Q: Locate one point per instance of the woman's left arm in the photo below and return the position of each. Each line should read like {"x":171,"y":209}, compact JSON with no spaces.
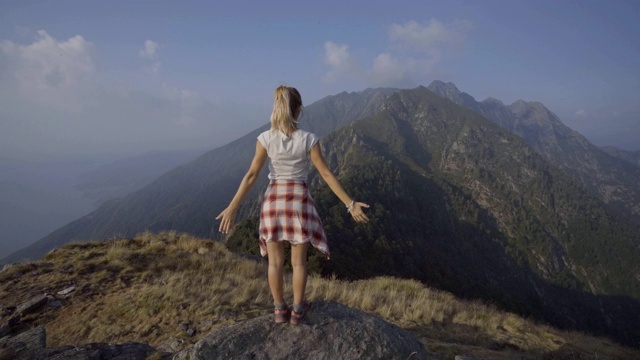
{"x":228,"y":215}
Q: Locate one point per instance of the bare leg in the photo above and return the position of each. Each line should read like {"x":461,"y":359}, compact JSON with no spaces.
{"x":275,"y":251}
{"x":299,"y":264}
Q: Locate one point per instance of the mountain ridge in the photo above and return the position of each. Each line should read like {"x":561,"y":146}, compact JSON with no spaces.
{"x":600,"y":172}
{"x":434,"y":164}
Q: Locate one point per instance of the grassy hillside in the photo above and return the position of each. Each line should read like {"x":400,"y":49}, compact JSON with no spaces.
{"x":141,"y":289}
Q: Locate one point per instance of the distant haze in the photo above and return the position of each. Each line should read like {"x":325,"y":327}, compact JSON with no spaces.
{"x":39,"y":197}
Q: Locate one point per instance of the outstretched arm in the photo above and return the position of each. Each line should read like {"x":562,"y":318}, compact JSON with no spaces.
{"x":336,"y":187}
{"x":228,"y":215}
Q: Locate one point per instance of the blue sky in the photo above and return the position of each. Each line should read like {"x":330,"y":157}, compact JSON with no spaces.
{"x":131,"y":76}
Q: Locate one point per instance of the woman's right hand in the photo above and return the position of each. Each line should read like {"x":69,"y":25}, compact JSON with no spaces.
{"x":228,"y":217}
{"x":357,"y":213}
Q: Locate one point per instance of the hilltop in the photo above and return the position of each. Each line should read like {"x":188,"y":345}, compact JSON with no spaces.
{"x":170,"y":290}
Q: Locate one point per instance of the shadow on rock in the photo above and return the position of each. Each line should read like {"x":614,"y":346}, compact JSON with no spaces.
{"x":328,"y":331}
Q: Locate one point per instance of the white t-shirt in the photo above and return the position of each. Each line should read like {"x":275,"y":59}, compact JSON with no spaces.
{"x":288,"y":156}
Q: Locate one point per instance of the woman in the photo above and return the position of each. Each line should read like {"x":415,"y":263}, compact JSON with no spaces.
{"x":288,"y":211}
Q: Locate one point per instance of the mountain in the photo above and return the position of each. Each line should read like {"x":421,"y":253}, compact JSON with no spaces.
{"x":124,"y":176}
{"x":189,"y":197}
{"x":458,"y":202}
{"x":466,"y":206}
{"x":632,"y":157}
{"x":609,"y":175}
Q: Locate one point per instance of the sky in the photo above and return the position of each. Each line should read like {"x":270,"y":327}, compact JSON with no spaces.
{"x":84,"y":78}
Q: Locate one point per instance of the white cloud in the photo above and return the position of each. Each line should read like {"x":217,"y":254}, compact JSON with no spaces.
{"x":417,"y":50}
{"x":432,"y":36}
{"x":337,"y":56}
{"x":580,"y":113}
{"x":54,"y":100}
{"x":388,"y":70}
{"x":48,"y":72}
{"x":150,"y":50}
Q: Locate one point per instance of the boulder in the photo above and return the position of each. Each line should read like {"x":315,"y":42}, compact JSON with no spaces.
{"x":98,"y":351}
{"x":31,"y":344}
{"x":26,"y":342}
{"x":7,"y":325}
{"x":33,"y":304}
{"x":67,"y":291}
{"x":328,"y":331}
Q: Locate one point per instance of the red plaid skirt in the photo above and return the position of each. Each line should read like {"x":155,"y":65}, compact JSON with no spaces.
{"x":289,"y":213}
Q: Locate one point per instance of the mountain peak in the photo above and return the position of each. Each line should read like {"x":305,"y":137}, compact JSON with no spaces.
{"x":518,"y":103}
{"x":492,"y":100}
{"x":438,"y":86}
{"x":451,"y":92}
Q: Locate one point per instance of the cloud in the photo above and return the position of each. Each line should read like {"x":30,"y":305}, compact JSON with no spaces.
{"x":580,"y":113}
{"x":337,"y":56}
{"x":417,"y":49}
{"x":48,"y":72}
{"x":431,"y":36}
{"x":388,"y":70}
{"x":54,"y":100}
{"x":150,"y":50}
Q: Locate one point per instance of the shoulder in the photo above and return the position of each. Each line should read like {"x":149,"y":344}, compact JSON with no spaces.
{"x":307,"y":135}
{"x":309,"y":139}
{"x":265,"y":133}
{"x":265,"y":138}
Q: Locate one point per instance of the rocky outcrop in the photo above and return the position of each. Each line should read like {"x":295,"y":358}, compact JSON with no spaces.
{"x":33,"y":304}
{"x":328,"y":331}
{"x":31,"y":344}
{"x":26,"y":343}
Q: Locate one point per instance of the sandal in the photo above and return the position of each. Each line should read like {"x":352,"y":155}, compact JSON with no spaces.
{"x":281,"y":315}
{"x":296,"y":316}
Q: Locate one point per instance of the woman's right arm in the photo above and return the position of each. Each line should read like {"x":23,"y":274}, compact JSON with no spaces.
{"x":335,"y":186}
{"x":228,"y":215}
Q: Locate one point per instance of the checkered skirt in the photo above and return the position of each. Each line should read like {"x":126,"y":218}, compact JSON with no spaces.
{"x":289,"y":213}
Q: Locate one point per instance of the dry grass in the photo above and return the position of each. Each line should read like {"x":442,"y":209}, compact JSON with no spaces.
{"x":141,"y":289}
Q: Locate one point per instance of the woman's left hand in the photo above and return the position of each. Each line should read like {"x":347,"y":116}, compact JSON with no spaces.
{"x":357,"y":213}
{"x":228,"y":217}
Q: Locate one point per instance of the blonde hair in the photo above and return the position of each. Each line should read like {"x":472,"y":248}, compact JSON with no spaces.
{"x":287,"y":106}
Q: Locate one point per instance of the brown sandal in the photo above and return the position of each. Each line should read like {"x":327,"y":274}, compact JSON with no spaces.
{"x":281,"y":316}
{"x":297,"y":317}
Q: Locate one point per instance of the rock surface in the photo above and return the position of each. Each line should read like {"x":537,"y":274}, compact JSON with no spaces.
{"x":28,"y":340}
{"x":328,"y":331}
{"x":33,"y":304}
{"x":31,"y":344}
{"x":7,"y":325}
